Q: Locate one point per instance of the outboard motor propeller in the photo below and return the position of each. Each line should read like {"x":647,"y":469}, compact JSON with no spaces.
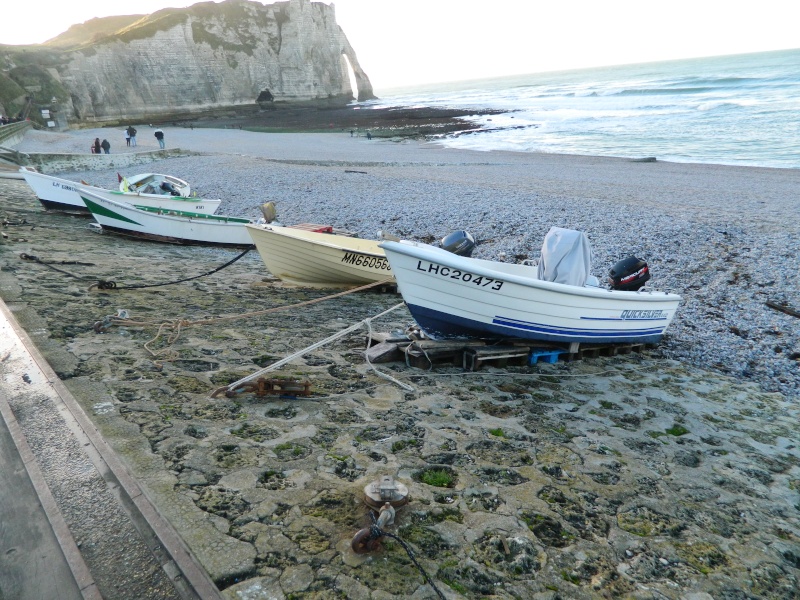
{"x":459,"y":242}
{"x":629,"y":274}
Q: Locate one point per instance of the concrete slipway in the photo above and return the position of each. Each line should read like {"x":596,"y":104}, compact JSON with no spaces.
{"x":70,"y":515}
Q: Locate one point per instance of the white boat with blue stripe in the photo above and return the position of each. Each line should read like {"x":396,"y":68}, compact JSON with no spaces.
{"x":64,"y":195}
{"x":452,"y":296}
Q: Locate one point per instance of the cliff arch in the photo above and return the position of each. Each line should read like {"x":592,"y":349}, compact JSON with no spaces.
{"x":210,"y":56}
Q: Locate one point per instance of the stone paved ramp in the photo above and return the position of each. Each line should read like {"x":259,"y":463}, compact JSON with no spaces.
{"x":73,"y":523}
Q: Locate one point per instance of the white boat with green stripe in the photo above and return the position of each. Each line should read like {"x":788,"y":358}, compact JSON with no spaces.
{"x":161,"y":225}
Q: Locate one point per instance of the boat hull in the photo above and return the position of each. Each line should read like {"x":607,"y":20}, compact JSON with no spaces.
{"x":457,"y":297}
{"x":321,"y":260}
{"x":61,"y":194}
{"x":167,"y":226}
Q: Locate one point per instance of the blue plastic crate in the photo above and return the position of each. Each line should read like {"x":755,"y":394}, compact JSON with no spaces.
{"x":548,"y":355}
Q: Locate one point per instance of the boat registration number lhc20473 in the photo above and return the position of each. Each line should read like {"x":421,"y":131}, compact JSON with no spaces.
{"x":365,"y":260}
{"x":450,"y":273}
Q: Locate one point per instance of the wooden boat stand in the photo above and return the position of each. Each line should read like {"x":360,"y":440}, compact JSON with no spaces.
{"x":471,"y":355}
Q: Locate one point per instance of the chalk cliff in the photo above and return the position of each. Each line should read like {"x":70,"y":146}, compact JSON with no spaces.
{"x":204,"y":57}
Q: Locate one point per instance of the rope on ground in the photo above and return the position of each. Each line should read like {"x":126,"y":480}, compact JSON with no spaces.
{"x":232,"y":386}
{"x":553,"y":375}
{"x":376,"y":532}
{"x":112,"y":285}
{"x":177,"y":325}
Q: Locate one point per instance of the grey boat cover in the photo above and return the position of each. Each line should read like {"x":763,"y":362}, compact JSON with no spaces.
{"x":566,"y":257}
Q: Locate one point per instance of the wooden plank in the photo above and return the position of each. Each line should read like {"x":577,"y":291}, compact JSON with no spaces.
{"x":446,"y":345}
{"x":474,"y":358}
{"x":783,"y":308}
{"x":384,"y":352}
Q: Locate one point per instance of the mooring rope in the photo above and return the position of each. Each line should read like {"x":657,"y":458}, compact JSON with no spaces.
{"x":177,"y":325}
{"x":232,"y":386}
{"x":112,"y":285}
{"x":376,"y":532}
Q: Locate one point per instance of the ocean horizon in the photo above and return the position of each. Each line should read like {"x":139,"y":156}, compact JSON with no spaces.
{"x":735,"y":110}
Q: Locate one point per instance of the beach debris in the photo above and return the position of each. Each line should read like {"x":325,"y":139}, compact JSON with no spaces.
{"x":285,"y":388}
{"x":785,"y":308}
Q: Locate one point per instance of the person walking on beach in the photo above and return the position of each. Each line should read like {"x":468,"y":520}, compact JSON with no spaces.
{"x":97,"y":145}
{"x":106,"y":147}
{"x":127,"y":138}
{"x":132,"y":134}
{"x":160,"y":137}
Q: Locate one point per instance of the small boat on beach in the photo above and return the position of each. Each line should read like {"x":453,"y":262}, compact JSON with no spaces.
{"x":162,"y":225}
{"x":62,"y":194}
{"x":166,"y":202}
{"x":454,"y":296}
{"x":315,"y":256}
{"x":155,"y":183}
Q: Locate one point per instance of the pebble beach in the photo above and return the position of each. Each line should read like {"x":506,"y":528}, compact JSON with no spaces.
{"x":670,"y":473}
{"x":725,"y":238}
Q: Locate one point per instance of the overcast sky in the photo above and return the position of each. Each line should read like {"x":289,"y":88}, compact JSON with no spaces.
{"x":403,"y":42}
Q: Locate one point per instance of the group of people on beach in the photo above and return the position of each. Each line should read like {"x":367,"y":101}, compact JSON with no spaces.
{"x":130,"y":136}
{"x":4,"y":120}
{"x":99,"y":147}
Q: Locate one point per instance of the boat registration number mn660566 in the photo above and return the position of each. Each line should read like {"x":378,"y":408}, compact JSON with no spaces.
{"x":450,"y":273}
{"x":365,"y":260}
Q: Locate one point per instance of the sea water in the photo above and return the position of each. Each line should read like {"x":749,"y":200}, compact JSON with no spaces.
{"x":735,"y":110}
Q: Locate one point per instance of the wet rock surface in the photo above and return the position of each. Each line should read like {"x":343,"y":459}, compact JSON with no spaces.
{"x":632,"y":476}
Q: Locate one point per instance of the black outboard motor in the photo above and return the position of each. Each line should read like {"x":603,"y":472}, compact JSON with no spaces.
{"x":459,"y":242}
{"x":168,"y":187}
{"x":629,"y":274}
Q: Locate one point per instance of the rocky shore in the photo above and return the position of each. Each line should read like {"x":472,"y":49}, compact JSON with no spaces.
{"x":672,"y":473}
{"x":380,"y":122}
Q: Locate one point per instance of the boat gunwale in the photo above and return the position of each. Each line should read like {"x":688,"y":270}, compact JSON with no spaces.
{"x":179,"y":215}
{"x":302,"y":238}
{"x":161,"y":196}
